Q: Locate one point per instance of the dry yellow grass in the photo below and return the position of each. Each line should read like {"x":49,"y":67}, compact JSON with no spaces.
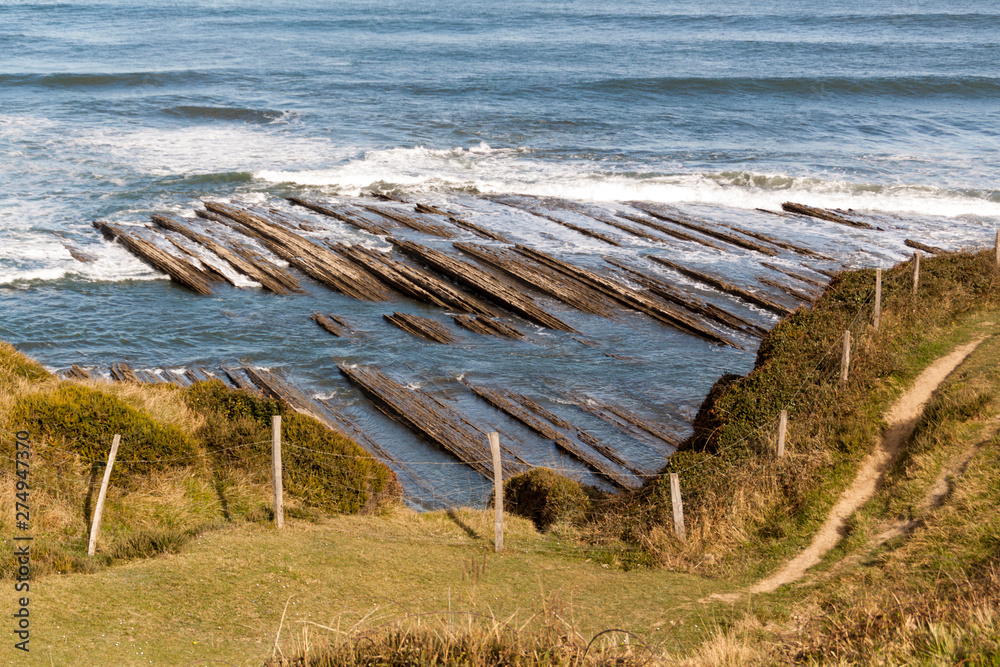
{"x":917,"y":581}
{"x":167,"y":485}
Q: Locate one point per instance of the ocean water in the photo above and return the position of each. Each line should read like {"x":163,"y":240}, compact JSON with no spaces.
{"x":114,"y":110}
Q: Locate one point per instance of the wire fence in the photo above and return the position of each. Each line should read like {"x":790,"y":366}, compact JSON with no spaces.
{"x":769,"y":426}
{"x":823,"y":370}
{"x":471,"y":490}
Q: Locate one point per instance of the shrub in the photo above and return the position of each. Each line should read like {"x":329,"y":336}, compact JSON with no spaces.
{"x":330,"y":471}
{"x":324,"y":468}
{"x":545,"y":497}
{"x":234,"y":419}
{"x":232,"y":404}
{"x":85,"y":421}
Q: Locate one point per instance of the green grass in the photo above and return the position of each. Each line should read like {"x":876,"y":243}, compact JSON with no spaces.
{"x":745,"y":511}
{"x":190,"y":460}
{"x":223,"y":595}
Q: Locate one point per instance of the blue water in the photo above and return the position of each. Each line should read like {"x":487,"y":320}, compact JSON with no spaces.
{"x":114,"y":110}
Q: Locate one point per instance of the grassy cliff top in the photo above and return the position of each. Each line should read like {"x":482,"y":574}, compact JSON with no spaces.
{"x":912,"y":581}
{"x":190,"y":460}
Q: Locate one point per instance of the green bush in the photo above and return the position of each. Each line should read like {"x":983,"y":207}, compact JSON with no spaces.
{"x":320,"y":466}
{"x":237,"y":423}
{"x":232,"y":404}
{"x":545,"y":497}
{"x":85,"y":421}
{"x":330,"y":471}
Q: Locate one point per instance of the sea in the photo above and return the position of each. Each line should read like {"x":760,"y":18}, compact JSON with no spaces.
{"x":114,"y":110}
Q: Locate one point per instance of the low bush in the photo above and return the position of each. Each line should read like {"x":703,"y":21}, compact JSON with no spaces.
{"x":321,"y":467}
{"x":84,"y":420}
{"x":215,"y":398}
{"x":329,"y":471}
{"x":545,"y":497}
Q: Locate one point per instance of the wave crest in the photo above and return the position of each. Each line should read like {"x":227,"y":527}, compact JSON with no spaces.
{"x":259,"y":116}
{"x":503,"y":171}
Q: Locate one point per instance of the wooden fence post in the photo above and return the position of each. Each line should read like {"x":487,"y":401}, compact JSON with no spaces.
{"x":996,"y":249}
{"x":675,"y":500}
{"x":782,"y":427}
{"x":279,"y":496}
{"x":497,"y":491}
{"x":916,"y":271}
{"x":878,"y":299}
{"x":95,"y":526}
{"x":845,"y":360}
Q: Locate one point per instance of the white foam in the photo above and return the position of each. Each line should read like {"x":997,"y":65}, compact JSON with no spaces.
{"x":413,"y":168}
{"x":18,"y":127}
{"x":31,"y":256}
{"x":27,"y":275}
{"x":503,"y":171}
{"x":326,"y":396}
{"x":192,"y":150}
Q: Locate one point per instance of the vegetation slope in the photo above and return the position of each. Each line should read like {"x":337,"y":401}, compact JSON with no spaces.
{"x":913,"y":581}
{"x":190,"y":460}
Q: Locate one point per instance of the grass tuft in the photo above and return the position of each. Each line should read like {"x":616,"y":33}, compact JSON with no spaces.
{"x":16,"y":366}
{"x":466,"y":639}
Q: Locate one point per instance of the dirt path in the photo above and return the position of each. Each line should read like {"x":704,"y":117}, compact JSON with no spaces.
{"x":901,"y":420}
{"x":936,"y":495}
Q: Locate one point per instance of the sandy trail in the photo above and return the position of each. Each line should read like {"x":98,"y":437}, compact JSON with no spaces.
{"x":901,"y":420}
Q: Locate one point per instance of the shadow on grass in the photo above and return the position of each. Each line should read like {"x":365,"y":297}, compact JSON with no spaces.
{"x":461,"y":524}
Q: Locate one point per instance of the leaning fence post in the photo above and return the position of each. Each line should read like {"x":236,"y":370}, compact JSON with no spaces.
{"x":279,"y":498}
{"x":996,"y":249}
{"x":497,"y":491}
{"x":878,"y":299}
{"x":845,"y":360}
{"x":782,"y":427}
{"x":675,"y":500}
{"x":916,"y":271}
{"x":95,"y":526}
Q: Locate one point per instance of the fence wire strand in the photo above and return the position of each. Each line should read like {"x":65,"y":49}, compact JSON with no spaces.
{"x":475,"y":494}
